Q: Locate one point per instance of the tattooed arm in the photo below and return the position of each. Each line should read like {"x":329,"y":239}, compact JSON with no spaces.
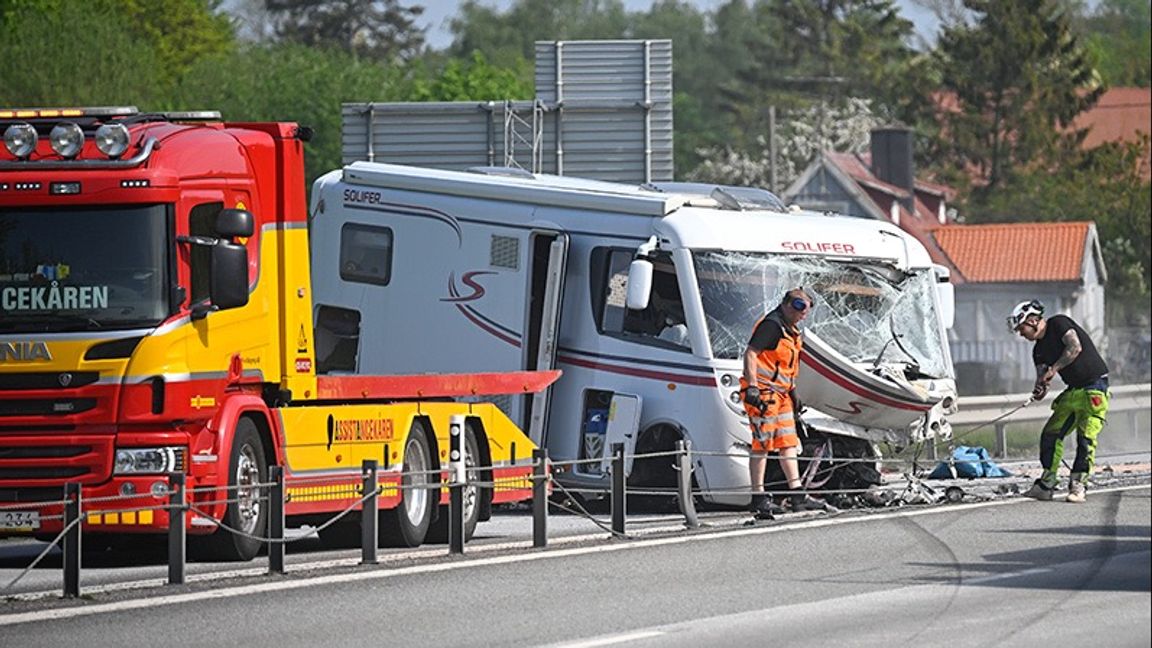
{"x":1072,"y":348}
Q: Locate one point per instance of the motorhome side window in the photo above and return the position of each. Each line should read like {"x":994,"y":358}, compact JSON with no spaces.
{"x":662,"y":322}
{"x":366,"y":254}
{"x":202,"y":222}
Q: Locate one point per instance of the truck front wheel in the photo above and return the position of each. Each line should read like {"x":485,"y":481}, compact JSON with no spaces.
{"x":246,"y":514}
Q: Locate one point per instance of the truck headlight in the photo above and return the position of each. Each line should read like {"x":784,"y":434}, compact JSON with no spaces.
{"x":20,"y":139}
{"x":149,"y":460}
{"x":112,"y":139}
{"x":67,"y":139}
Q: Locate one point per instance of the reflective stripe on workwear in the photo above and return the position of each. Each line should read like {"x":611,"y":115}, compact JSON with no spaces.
{"x":776,"y":369}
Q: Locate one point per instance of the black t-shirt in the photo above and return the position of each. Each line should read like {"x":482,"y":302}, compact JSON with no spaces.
{"x":766,"y":336}
{"x":1086,"y":369}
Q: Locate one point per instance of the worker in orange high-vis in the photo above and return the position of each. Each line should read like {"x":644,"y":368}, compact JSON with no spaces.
{"x":771,"y":364}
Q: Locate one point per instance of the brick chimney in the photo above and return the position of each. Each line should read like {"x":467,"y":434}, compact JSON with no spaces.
{"x":892,"y":160}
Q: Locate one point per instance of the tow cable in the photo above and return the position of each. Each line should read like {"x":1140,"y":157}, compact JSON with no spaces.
{"x":952,"y":497}
{"x":997,"y":419}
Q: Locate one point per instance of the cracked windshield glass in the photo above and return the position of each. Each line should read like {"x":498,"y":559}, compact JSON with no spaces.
{"x":81,"y":269}
{"x":870,"y":312}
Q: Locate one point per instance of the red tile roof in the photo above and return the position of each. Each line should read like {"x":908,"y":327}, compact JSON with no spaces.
{"x":1118,"y":116}
{"x":919,"y":223}
{"x":1011,"y":252}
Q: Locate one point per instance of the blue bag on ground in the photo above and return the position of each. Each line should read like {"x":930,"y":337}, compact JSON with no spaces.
{"x":969,"y":463}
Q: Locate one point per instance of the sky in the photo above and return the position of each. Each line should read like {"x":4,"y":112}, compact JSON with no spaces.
{"x":438,"y":12}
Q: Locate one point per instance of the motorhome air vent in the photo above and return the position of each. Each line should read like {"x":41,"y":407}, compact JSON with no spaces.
{"x":504,"y":171}
{"x":505,"y":252}
{"x":745,"y":198}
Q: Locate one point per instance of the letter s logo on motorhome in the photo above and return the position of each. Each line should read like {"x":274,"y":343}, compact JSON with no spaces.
{"x":24,"y":352}
{"x":856,"y":408}
{"x":469,"y":279}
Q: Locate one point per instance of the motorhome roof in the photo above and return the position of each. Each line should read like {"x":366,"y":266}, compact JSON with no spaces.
{"x":536,"y":189}
{"x":794,"y":232}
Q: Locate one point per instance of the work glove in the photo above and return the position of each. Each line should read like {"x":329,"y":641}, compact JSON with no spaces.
{"x":1039,"y":391}
{"x":752,"y":397}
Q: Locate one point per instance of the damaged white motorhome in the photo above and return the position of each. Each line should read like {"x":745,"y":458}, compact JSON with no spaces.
{"x":499,"y":269}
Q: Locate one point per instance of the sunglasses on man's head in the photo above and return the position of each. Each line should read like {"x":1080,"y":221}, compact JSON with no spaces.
{"x":799,"y":304}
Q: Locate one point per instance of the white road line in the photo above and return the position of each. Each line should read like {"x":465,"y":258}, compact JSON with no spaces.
{"x":277,"y":586}
{"x":612,"y":639}
{"x":996,"y":577}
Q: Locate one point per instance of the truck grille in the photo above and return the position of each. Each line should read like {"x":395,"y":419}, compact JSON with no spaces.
{"x":43,"y":462}
{"x":46,"y":407}
{"x":47,"y":380}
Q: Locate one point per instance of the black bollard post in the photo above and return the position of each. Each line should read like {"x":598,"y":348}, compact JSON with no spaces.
{"x":619,"y":497}
{"x":540,"y":497}
{"x":369,"y":531}
{"x":276,"y":520}
{"x":457,"y":478}
{"x":177,"y":532}
{"x":72,"y":512}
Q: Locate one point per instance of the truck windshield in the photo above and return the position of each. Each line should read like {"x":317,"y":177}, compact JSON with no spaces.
{"x":84,"y":268}
{"x":868,"y":311}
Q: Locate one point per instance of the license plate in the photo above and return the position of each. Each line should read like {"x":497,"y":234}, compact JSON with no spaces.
{"x":19,"y":520}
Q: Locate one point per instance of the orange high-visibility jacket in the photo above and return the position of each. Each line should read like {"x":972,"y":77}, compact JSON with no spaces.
{"x":776,"y":369}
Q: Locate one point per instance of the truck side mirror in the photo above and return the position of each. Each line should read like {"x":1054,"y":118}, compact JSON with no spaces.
{"x":229,"y":278}
{"x":639,"y":284}
{"x":234,"y":222}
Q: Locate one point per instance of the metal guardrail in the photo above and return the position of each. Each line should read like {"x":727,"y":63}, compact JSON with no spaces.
{"x":1126,"y":404}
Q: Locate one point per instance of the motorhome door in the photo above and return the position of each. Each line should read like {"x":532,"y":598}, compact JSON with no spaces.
{"x":623,"y":421}
{"x":549,"y":257}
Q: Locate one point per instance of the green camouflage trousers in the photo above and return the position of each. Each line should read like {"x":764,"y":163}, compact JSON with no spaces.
{"x":1083,"y":410}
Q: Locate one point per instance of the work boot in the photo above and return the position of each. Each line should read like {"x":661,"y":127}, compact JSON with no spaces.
{"x":805,"y":502}
{"x":764,"y":507}
{"x":1040,"y":491}
{"x":1076,"y":492}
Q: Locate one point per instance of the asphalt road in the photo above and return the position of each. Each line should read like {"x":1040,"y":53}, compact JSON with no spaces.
{"x":1012,"y":572}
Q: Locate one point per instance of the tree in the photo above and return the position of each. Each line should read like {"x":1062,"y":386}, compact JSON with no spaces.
{"x":1108,"y":185}
{"x":807,"y":133}
{"x":506,"y":36}
{"x":379,"y":30}
{"x":812,"y":61}
{"x":142,"y":53}
{"x":289,"y":82}
{"x":1118,"y":33}
{"x":1018,"y":77}
{"x":473,"y":79}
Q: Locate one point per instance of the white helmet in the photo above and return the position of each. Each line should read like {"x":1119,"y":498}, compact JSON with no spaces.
{"x":1023,"y":311}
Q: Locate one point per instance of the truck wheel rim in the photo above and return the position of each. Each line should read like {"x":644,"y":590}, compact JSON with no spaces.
{"x":247,"y":491}
{"x":471,"y":491}
{"x":416,"y":495}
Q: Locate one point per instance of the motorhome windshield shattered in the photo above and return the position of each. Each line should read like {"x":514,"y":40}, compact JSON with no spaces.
{"x":868,"y":311}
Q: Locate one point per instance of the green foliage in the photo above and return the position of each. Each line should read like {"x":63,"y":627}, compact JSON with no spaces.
{"x":1019,"y":77}
{"x":508,"y":36}
{"x":41,"y":43}
{"x":803,"y":54}
{"x":381,"y":30}
{"x":1104,"y":185}
{"x":1120,"y":36}
{"x":286,"y":82}
{"x":474,"y":79}
{"x":137,"y":52}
